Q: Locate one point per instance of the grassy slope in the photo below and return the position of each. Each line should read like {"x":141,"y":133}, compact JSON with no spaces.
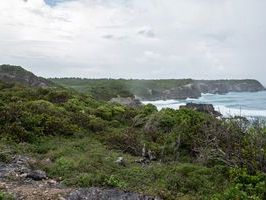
{"x":84,"y":161}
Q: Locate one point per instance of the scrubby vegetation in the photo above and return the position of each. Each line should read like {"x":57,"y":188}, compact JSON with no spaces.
{"x":101,"y":89}
{"x":6,"y":196}
{"x":188,"y":155}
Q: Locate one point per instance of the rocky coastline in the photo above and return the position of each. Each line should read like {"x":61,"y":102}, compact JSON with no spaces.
{"x":197,"y":87}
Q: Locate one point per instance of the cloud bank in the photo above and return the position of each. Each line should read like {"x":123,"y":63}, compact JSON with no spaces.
{"x":204,"y":39}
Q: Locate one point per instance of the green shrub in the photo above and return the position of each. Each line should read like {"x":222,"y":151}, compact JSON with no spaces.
{"x":118,"y":110}
{"x":149,"y":109}
{"x":127,"y":141}
{"x":6,"y":196}
{"x":17,"y":132}
{"x":104,"y":112}
{"x":58,"y":96}
{"x":89,"y":180}
{"x":5,"y":156}
{"x":58,"y":126}
{"x":96,"y":124}
{"x":62,"y":167}
{"x":245,"y":186}
{"x":114,"y":181}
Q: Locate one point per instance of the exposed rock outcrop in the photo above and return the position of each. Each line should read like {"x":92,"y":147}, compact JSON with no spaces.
{"x":206,"y":108}
{"x":18,"y":179}
{"x":131,"y":102}
{"x":181,"y":92}
{"x":37,"y":175}
{"x":20,"y":168}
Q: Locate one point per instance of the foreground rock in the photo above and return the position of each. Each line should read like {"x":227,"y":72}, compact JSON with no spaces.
{"x":37,"y":175}
{"x":21,"y":168}
{"x":18,"y":167}
{"x":106,"y":194}
{"x":121,"y":161}
{"x":206,"y":108}
{"x":18,"y":179}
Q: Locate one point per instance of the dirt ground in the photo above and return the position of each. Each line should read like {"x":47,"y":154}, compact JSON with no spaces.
{"x":37,"y":191}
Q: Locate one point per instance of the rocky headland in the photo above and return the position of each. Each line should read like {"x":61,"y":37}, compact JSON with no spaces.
{"x":161,"y":89}
{"x":195,"y":88}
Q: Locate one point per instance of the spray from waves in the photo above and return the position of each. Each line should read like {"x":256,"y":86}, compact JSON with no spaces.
{"x":174,"y":104}
{"x":231,"y":104}
{"x":240,"y":112}
{"x":161,"y":102}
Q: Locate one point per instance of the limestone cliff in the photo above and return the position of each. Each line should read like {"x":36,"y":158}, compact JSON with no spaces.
{"x":197,"y":87}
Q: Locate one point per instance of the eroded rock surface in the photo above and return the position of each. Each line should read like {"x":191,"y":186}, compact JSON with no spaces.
{"x":106,"y":194}
{"x":206,"y":108}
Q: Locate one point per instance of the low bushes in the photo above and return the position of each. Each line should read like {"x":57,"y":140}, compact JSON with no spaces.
{"x":6,"y":196}
{"x":244,"y":186}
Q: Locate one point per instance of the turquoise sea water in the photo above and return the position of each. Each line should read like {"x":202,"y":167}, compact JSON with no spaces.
{"x":248,"y":104}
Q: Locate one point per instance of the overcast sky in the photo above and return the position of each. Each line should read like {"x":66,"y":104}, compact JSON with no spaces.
{"x":204,"y":39}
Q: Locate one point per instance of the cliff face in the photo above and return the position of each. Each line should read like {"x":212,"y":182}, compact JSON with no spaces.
{"x":179,"y":92}
{"x":197,"y":87}
{"x":18,"y":75}
{"x":225,"y":86}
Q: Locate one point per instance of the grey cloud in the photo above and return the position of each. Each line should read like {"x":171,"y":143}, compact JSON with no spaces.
{"x":108,"y":36}
{"x":136,"y":38}
{"x":147,"y":33}
{"x":113,"y":37}
{"x":220,"y":37}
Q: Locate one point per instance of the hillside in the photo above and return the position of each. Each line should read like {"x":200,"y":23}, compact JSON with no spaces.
{"x":18,"y":75}
{"x":106,"y":89}
{"x":54,"y":141}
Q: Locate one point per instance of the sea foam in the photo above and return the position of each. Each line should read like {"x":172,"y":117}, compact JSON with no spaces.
{"x":231,"y":104}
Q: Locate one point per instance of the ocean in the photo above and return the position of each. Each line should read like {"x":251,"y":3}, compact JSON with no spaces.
{"x":246,"y":104}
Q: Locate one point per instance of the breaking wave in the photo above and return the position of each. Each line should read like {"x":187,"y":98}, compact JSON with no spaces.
{"x":232,"y":104}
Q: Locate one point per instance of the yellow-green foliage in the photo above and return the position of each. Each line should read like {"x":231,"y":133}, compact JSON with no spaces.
{"x":6,"y":196}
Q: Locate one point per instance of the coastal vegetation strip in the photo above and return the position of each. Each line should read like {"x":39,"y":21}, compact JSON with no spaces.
{"x":105,"y":89}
